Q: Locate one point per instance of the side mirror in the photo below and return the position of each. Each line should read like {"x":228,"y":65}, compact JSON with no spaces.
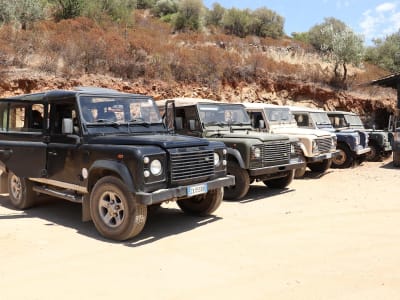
{"x":67,"y":126}
{"x":261,"y":124}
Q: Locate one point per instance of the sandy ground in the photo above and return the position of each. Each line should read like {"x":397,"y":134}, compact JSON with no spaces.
{"x":334,"y":237}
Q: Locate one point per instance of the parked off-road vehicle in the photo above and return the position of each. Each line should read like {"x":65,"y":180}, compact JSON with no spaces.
{"x":377,"y":140}
{"x":394,"y":136}
{"x":318,"y":147}
{"x":252,"y":155}
{"x":108,"y":151}
{"x":348,"y":140}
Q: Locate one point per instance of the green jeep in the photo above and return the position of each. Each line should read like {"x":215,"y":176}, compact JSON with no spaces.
{"x":252,"y":155}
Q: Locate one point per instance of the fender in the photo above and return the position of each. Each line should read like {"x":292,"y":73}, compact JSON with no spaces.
{"x":114,"y":167}
{"x":236,"y":154}
{"x":303,"y":149}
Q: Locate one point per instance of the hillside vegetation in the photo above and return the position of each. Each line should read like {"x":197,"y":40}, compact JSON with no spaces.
{"x":149,"y":55}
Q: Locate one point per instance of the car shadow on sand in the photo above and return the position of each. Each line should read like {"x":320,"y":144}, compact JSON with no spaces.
{"x":388,"y":165}
{"x":259,"y":192}
{"x":160,"y":224}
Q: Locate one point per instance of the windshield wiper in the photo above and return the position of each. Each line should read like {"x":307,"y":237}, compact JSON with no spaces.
{"x":104,"y":122}
{"x":139,"y":121}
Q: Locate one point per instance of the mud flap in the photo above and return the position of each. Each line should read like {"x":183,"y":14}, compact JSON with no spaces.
{"x":86,"y":216}
{"x":3,"y":182}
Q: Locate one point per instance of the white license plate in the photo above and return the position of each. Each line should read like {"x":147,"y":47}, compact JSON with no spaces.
{"x":329,"y":155}
{"x":198,"y":189}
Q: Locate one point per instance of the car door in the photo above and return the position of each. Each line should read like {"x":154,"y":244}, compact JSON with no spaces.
{"x":23,"y":137}
{"x":64,"y":155}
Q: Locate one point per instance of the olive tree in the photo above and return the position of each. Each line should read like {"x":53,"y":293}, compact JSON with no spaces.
{"x":23,"y":12}
{"x":386,"y":52}
{"x":214,"y":16}
{"x":189,"y":15}
{"x":236,"y":21}
{"x":266,"y":23}
{"x":340,"y":42}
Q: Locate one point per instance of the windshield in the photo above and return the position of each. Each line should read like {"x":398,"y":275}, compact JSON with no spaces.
{"x":97,"y":109}
{"x":320,"y":118}
{"x":353,"y":121}
{"x":221,"y":114}
{"x":279,"y":115}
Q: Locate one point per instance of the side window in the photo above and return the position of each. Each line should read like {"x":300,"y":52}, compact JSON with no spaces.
{"x":58,"y":112}
{"x":3,"y":116}
{"x":26,"y":117}
{"x":302,"y":120}
{"x":186,"y":120}
{"x":255,"y":117}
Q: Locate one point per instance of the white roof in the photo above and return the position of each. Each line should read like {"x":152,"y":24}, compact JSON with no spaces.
{"x":304,"y":108}
{"x":179,"y":102}
{"x":259,"y":105}
{"x":339,"y":112}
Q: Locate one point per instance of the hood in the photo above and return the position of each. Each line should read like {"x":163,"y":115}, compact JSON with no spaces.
{"x":301,"y":131}
{"x":165,"y":141}
{"x":248,"y":134}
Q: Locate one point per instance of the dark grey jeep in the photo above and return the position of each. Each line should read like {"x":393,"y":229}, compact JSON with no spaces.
{"x":252,"y":155}
{"x":108,"y":151}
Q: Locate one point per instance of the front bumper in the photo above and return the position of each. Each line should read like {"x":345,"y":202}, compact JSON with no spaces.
{"x":294,"y":164}
{"x":363,"y":151}
{"x":322,"y":157}
{"x":173,"y":194}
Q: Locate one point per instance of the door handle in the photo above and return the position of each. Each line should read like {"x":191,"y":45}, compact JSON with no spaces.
{"x":6,"y":151}
{"x":53,"y":153}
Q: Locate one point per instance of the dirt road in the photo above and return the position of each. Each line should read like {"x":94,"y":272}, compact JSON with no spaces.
{"x":334,"y":237}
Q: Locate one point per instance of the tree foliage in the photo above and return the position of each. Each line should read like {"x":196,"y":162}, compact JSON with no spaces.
{"x":189,"y":15}
{"x":164,"y":7}
{"x":236,"y":22}
{"x":67,"y":9}
{"x":266,"y":23}
{"x":341,"y":44}
{"x":214,"y":16}
{"x":23,"y":12}
{"x":386,"y":52}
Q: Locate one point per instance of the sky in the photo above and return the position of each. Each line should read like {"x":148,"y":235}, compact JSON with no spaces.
{"x":370,"y":18}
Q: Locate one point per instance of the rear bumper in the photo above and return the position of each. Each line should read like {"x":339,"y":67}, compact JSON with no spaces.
{"x":172,"y":194}
{"x":294,"y":164}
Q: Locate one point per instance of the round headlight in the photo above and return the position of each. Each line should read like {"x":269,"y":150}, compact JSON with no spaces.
{"x":216,"y":159}
{"x":257,"y":152}
{"x":156,"y":167}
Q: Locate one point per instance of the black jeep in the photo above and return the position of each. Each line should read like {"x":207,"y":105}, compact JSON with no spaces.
{"x":109,"y":151}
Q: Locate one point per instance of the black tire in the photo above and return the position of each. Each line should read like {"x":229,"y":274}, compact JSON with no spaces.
{"x":373,"y":155}
{"x":396,"y":159}
{"x":280,"y":183}
{"x":21,"y":193}
{"x":114,"y":210}
{"x":242,"y":182}
{"x":344,"y":159}
{"x":202,"y":205}
{"x":322,"y":166}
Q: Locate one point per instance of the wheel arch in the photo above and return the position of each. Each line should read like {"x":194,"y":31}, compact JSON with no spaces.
{"x":104,"y":168}
{"x":234,"y":155}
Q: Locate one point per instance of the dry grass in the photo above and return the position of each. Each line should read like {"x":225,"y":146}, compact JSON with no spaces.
{"x":150,"y":50}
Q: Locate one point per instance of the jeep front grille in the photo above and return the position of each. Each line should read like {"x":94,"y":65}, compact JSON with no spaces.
{"x":191,"y":166}
{"x":324,"y":145}
{"x":276,"y":152}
